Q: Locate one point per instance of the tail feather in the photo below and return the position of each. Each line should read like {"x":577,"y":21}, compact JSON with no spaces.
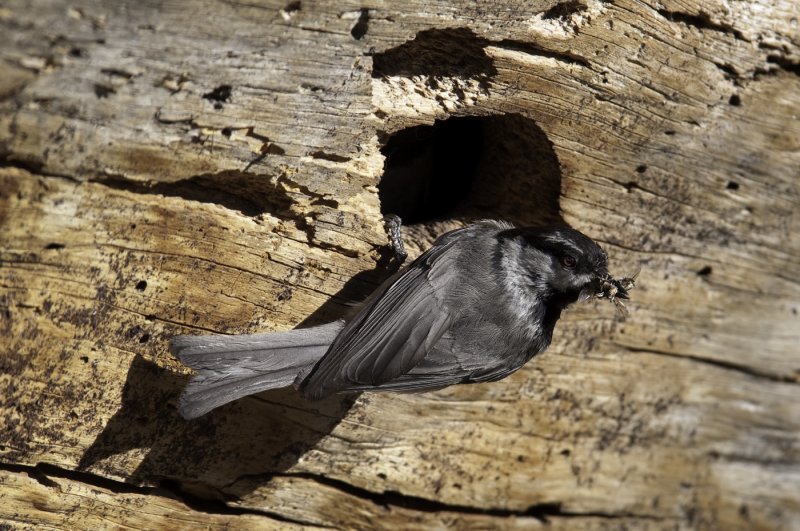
{"x":231,"y":367}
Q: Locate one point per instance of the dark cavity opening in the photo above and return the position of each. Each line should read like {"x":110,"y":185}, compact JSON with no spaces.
{"x":705,"y":271}
{"x":103,"y":91}
{"x":361,"y":26}
{"x":437,"y":52}
{"x":564,"y":10}
{"x":247,"y":193}
{"x":220,"y":95}
{"x":732,"y":185}
{"x":501,"y":167}
{"x":291,"y":7}
{"x":141,"y":285}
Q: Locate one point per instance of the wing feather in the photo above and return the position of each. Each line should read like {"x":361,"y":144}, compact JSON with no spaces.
{"x":395,"y":330}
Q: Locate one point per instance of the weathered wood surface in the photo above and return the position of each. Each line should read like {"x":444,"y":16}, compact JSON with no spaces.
{"x":212,"y":167}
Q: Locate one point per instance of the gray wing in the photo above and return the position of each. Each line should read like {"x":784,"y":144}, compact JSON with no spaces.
{"x":395,"y":330}
{"x":446,"y":366}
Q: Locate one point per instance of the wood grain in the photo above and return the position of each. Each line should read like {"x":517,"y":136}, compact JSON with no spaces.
{"x":213,"y":167}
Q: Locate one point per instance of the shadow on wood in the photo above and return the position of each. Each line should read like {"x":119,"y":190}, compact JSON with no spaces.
{"x":217,"y":448}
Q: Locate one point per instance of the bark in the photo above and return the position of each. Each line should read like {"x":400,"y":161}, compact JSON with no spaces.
{"x":214,"y":167}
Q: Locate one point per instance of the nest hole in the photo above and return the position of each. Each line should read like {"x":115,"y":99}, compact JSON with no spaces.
{"x":475,"y":167}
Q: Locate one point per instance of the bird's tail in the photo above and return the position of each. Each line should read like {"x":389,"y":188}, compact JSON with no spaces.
{"x":230,"y":367}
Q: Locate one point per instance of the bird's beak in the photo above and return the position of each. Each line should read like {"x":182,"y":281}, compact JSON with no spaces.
{"x":593,"y":288}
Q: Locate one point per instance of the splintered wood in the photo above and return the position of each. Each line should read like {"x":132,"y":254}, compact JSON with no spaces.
{"x":214,"y":167}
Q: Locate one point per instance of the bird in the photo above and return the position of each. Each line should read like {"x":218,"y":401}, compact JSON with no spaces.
{"x":475,"y":307}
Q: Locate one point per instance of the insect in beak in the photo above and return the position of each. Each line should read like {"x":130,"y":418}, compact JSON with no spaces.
{"x":617,"y":290}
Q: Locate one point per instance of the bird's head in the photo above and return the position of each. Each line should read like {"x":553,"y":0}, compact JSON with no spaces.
{"x":562,"y":265}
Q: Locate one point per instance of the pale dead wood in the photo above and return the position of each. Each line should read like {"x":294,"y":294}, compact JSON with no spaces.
{"x":213,"y":168}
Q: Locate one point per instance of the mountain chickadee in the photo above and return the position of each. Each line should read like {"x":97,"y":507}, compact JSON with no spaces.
{"x":475,"y":307}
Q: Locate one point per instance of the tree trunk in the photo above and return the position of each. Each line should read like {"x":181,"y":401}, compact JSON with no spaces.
{"x":215,"y":166}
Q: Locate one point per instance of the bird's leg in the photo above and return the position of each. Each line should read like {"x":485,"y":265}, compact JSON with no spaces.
{"x":393,"y":223}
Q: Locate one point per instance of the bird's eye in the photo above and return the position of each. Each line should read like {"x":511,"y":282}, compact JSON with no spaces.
{"x":569,"y":261}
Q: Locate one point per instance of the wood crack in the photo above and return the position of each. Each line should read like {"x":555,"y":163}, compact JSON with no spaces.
{"x":702,"y":21}
{"x":542,"y":512}
{"x":32,"y":167}
{"x":240,"y":191}
{"x":722,"y":364}
{"x":44,"y":473}
{"x":532,"y":49}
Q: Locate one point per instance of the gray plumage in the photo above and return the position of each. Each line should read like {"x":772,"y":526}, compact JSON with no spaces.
{"x":476,"y":306}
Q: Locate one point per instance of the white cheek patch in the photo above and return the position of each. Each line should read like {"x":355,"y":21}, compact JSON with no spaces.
{"x":518,"y":287}
{"x":546,"y":269}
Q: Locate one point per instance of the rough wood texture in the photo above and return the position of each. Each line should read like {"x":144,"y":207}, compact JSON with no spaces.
{"x":212,"y":167}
